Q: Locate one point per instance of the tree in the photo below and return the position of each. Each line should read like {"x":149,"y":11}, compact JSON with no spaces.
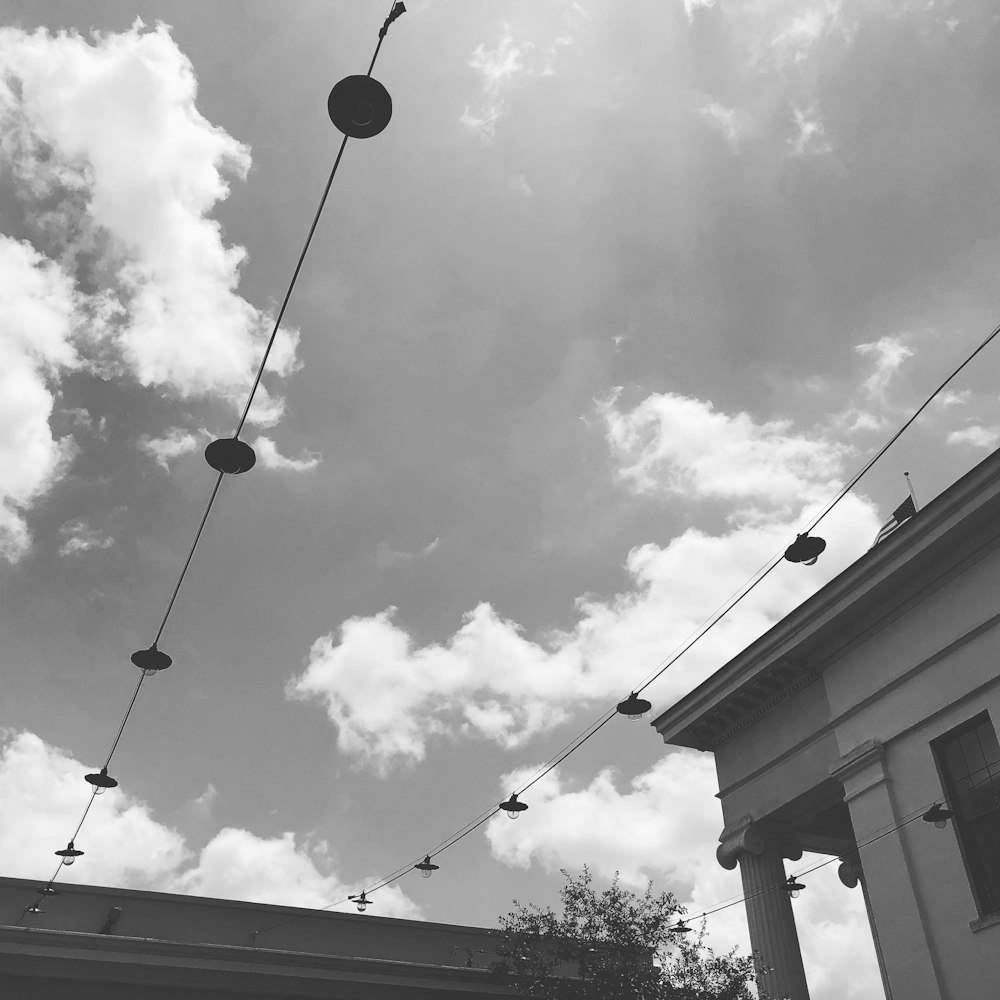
{"x":614,"y":946}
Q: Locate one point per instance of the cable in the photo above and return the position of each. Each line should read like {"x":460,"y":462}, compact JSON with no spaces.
{"x":754,"y":581}
{"x":923,"y":406}
{"x":395,"y":11}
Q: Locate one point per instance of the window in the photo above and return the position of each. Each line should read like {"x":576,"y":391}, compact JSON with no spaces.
{"x":969,"y":758}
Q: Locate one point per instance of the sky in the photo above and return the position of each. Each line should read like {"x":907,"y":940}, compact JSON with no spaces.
{"x":617,"y":301}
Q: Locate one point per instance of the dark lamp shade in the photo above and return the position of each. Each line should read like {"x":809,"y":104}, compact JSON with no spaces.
{"x":359,"y":106}
{"x":230,"y":456}
{"x":805,"y":549}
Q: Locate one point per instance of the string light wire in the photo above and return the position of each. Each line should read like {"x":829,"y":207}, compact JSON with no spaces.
{"x":393,"y":14}
{"x":716,"y":617}
{"x":597,"y":726}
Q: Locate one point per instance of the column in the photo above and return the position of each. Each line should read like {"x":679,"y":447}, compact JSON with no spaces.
{"x":773,"y":938}
{"x":906,"y":953}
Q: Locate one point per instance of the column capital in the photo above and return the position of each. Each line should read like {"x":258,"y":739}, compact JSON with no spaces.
{"x":750,"y":836}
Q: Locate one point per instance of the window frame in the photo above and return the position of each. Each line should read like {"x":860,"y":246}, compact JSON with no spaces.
{"x":963,"y":834}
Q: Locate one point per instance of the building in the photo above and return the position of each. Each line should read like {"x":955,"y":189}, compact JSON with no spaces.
{"x":839,"y":728}
{"x":95,"y":943}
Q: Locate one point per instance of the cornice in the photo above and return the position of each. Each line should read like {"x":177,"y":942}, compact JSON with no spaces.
{"x":712,"y":713}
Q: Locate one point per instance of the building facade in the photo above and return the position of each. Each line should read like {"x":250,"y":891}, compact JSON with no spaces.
{"x":94,"y":943}
{"x":842,"y":726}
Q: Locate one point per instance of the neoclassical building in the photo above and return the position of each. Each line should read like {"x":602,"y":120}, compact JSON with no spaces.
{"x":94,"y":943}
{"x":838,"y":730}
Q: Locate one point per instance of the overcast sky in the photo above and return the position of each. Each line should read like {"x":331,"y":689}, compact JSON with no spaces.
{"x":623,"y":293}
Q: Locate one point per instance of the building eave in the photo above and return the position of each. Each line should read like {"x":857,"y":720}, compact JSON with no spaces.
{"x":963,"y":519}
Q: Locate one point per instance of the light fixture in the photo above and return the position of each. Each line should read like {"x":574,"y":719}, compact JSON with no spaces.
{"x":792,"y":887}
{"x":34,"y":908}
{"x":512,"y":806}
{"x":426,"y":867}
{"x":634,"y":707}
{"x":362,"y":902}
{"x":150,"y":661}
{"x":359,"y":106}
{"x":679,"y":928}
{"x":805,"y":549}
{"x":938,"y":815}
{"x":47,"y":890}
{"x":69,"y":854}
{"x":101,"y":782}
{"x":230,"y":456}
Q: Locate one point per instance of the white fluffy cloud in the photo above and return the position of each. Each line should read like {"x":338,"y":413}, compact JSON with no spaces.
{"x":173,"y":444}
{"x":37,"y":303}
{"x":110,"y":128}
{"x":44,"y":795}
{"x":664,"y":826}
{"x":80,"y":537}
{"x":887,"y":354}
{"x":388,"y":696}
{"x":270,"y":458}
{"x":678,"y":446}
{"x":976,"y":436}
{"x":117,"y":173}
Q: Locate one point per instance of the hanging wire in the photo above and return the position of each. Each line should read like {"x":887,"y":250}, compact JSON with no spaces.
{"x":395,"y":11}
{"x":713,"y":619}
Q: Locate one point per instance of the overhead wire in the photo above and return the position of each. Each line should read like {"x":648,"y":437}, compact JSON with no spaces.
{"x":598,"y":725}
{"x":394,"y":12}
{"x":757,"y":578}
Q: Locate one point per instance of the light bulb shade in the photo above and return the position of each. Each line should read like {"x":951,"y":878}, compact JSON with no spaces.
{"x":805,"y":549}
{"x":359,"y":106}
{"x":679,"y":928}
{"x":427,"y":867}
{"x":151,"y":661}
{"x":69,"y":853}
{"x":230,"y":456}
{"x":938,"y":815}
{"x":634,"y":707}
{"x":512,"y":807}
{"x":101,"y":782}
{"x":48,"y":890}
{"x":362,"y":902}
{"x":792,"y":887}
{"x":34,"y":908}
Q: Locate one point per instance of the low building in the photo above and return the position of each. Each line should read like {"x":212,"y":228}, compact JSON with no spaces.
{"x":94,"y":943}
{"x":837,"y":731}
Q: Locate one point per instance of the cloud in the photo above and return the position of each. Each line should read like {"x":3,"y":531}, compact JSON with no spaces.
{"x":386,"y":557}
{"x":80,"y":538}
{"x":505,"y":67}
{"x":108,"y":132}
{"x":115,"y":174}
{"x":270,"y":458}
{"x":38,"y":305}
{"x":887,"y":354}
{"x":811,"y":136}
{"x":43,"y":788}
{"x":664,"y":825}
{"x":691,"y":6}
{"x":723,"y":119}
{"x":204,"y":803}
{"x":388,"y":697}
{"x":173,"y":444}
{"x":675,"y":445}
{"x":976,"y":436}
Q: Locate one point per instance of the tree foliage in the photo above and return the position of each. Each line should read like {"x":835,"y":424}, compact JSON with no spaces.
{"x":614,"y":946}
